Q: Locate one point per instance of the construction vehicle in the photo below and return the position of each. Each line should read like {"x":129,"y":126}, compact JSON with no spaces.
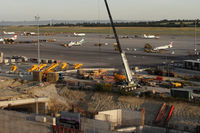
{"x":34,"y":67}
{"x":130,"y":84}
{"x":64,"y":66}
{"x":49,"y":74}
{"x":13,"y":68}
{"x":148,"y":48}
{"x":40,"y":67}
{"x":50,"y":68}
{"x":90,"y":74}
{"x":177,"y":85}
{"x":77,"y":66}
{"x":85,"y":75}
{"x":65,"y":45}
{"x":119,"y":78}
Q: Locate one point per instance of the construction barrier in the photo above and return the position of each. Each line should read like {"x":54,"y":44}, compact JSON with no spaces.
{"x":170,"y":114}
{"x":62,"y":129}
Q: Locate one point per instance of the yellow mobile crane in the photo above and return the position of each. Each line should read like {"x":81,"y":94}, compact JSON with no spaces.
{"x":40,"y":67}
{"x":129,"y":79}
{"x":64,"y":66}
{"x":34,"y":67}
{"x":50,"y":68}
{"x":77,"y":66}
{"x":13,"y":68}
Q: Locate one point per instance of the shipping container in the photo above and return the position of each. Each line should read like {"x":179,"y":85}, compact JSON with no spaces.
{"x":182,"y":93}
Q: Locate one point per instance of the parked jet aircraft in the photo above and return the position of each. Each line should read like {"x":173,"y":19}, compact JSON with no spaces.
{"x":9,"y":39}
{"x":79,"y":34}
{"x":9,"y":33}
{"x":75,"y":43}
{"x":164,"y":47}
{"x":151,"y":36}
{"x":29,"y":33}
{"x":149,"y":49}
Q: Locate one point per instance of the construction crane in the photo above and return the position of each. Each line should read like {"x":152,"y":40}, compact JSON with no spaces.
{"x":13,"y":68}
{"x":129,"y":77}
{"x":34,"y":67}
{"x":40,"y":67}
{"x":64,"y":66}
{"x":77,"y":66}
{"x":50,"y":68}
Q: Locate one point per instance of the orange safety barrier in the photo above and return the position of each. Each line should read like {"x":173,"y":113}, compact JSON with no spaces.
{"x":170,"y":114}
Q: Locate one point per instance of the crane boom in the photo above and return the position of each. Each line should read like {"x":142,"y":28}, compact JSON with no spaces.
{"x":122,"y":53}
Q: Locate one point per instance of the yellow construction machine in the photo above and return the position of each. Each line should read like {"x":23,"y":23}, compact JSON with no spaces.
{"x":40,"y":67}
{"x":64,"y":66}
{"x":50,"y":68}
{"x":119,"y":78}
{"x":33,"y":68}
{"x":13,"y":68}
{"x":77,"y":66}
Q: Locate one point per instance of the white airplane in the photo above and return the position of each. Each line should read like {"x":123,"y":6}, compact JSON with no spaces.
{"x":151,"y":36}
{"x":9,"y":33}
{"x":12,"y":38}
{"x":75,"y":43}
{"x":79,"y":34}
{"x":29,"y":33}
{"x":164,"y":47}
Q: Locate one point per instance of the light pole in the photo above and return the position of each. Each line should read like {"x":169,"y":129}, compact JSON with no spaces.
{"x":195,"y":35}
{"x":37,"y":19}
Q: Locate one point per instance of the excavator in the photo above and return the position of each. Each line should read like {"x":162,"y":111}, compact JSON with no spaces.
{"x":129,"y":84}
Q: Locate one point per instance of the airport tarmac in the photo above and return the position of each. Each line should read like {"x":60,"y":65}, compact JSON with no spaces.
{"x":104,"y":56}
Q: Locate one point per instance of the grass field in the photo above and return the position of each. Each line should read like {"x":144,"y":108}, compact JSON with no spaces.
{"x":108,"y":30}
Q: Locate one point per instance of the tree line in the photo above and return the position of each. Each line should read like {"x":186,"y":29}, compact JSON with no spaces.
{"x":161,"y":23}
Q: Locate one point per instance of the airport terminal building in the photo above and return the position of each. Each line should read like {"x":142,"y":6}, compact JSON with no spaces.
{"x":192,"y":64}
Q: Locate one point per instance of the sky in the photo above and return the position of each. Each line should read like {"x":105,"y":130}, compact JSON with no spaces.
{"x":133,"y":10}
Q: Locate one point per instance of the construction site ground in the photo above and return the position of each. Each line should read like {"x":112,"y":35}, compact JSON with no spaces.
{"x":62,"y":98}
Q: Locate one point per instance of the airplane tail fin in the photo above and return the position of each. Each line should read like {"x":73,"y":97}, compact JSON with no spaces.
{"x":15,"y":37}
{"x":171,"y":44}
{"x":82,"y":40}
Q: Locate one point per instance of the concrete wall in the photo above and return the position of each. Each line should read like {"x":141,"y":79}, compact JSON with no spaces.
{"x":114,"y":116}
{"x":151,"y":129}
{"x":131,"y":118}
{"x":15,"y":122}
{"x":121,"y":117}
{"x":95,"y":126}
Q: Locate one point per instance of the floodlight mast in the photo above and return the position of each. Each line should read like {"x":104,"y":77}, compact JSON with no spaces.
{"x":38,"y":28}
{"x":122,"y":53}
